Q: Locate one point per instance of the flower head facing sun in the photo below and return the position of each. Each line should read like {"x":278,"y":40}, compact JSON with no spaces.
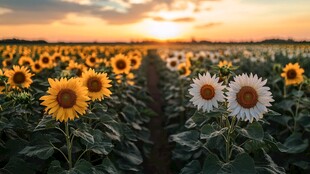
{"x":66,"y":99}
{"x":206,"y":92}
{"x":292,"y":74}
{"x":97,"y":84}
{"x":225,"y":63}
{"x":25,"y":61}
{"x":120,"y":64}
{"x":19,"y":77}
{"x":248,"y":98}
{"x":2,"y":84}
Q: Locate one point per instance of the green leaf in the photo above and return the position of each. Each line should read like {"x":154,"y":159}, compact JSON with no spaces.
{"x":264,"y":164}
{"x":187,"y":138}
{"x":100,"y":106}
{"x":81,"y":167}
{"x":47,"y":122}
{"x":102,"y":145}
{"x":42,"y":151}
{"x":192,"y":168}
{"x":207,"y":131}
{"x":253,"y":131}
{"x":130,"y":153}
{"x":212,"y":164}
{"x":55,"y":168}
{"x":84,"y":135}
{"x":197,"y":119}
{"x":15,"y":166}
{"x":105,"y":167}
{"x":243,"y":164}
{"x":293,"y":144}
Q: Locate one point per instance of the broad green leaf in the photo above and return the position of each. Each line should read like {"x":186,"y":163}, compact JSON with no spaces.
{"x":81,"y":167}
{"x":100,"y":106}
{"x":42,"y":151}
{"x":102,"y":145}
{"x":46,"y":122}
{"x":188,"y":138}
{"x":106,"y":167}
{"x":55,"y":168}
{"x":253,"y":131}
{"x":294,"y":144}
{"x":84,"y":135}
{"x":15,"y":166}
{"x":243,"y":164}
{"x":130,"y":153}
{"x":207,"y":131}
{"x":212,"y":164}
{"x":192,"y":168}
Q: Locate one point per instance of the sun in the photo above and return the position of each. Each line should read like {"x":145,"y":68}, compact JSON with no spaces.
{"x":163,"y":30}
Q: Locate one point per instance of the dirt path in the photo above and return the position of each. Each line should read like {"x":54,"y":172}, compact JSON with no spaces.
{"x":160,"y":157}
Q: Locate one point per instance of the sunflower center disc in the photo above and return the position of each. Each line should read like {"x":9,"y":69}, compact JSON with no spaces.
{"x":291,"y":74}
{"x":45,"y":60}
{"x":26,"y":63}
{"x":173,"y":63}
{"x":19,"y":77}
{"x":66,"y":98}
{"x":207,"y":92}
{"x":133,"y":62}
{"x":77,"y":71}
{"x":57,"y":59}
{"x":120,"y":64}
{"x":37,"y":66}
{"x":92,"y":60}
{"x":94,"y":84}
{"x":247,"y":97}
{"x":8,"y":63}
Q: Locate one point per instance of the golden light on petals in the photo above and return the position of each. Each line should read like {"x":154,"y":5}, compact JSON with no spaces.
{"x":19,"y":77}
{"x":120,"y":64}
{"x":66,"y":99}
{"x":292,"y":73}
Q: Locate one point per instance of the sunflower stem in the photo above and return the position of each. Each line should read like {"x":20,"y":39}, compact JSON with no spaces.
{"x":69,"y":147}
{"x":297,"y":108}
{"x":231,"y":128}
{"x":284,"y":91}
{"x":182,"y":119}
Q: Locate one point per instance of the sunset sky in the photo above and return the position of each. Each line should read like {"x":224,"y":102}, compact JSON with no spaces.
{"x":127,"y":20}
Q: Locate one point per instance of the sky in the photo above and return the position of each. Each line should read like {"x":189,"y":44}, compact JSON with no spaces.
{"x":137,"y":20}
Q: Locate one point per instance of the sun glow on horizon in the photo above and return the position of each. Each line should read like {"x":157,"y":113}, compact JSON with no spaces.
{"x":162,"y":30}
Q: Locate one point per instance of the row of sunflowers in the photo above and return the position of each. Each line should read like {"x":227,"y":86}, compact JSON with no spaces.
{"x":73,"y":109}
{"x":237,"y":108}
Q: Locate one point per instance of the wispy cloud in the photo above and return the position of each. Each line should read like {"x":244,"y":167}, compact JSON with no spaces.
{"x":208,"y":25}
{"x":183,"y":19}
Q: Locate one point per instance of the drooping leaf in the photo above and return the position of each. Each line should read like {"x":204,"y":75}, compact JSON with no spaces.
{"x":42,"y":151}
{"x":212,"y":164}
{"x":84,"y":135}
{"x":253,"y":131}
{"x":192,"y":168}
{"x":105,"y":167}
{"x":243,"y":164}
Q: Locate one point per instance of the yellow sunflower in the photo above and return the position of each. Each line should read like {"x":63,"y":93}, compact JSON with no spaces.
{"x":25,"y":61}
{"x":91,"y":61}
{"x":97,"y":84}
{"x":77,"y":68}
{"x":2,"y":85}
{"x":19,"y":77}
{"x":46,"y":60}
{"x":120,"y":64}
{"x":292,"y":73}
{"x":36,"y":67}
{"x":7,"y":55}
{"x":225,"y":63}
{"x":57,"y":57}
{"x":184,"y":70}
{"x":135,"y":62}
{"x":66,"y":99}
{"x":6,"y":63}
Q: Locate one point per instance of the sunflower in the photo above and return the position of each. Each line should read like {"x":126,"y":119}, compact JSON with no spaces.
{"x":25,"y":61}
{"x":135,"y":62}
{"x":225,"y":63}
{"x":91,"y":61}
{"x":19,"y":77}
{"x":172,"y":64}
{"x":184,"y":70}
{"x":206,"y":92}
{"x":97,"y":84}
{"x":57,"y":57}
{"x":120,"y":64}
{"x":2,"y":84}
{"x":66,"y":99}
{"x":78,"y":69}
{"x":7,"y":55}
{"x":46,"y":60}
{"x":7,"y":63}
{"x":36,"y":67}
{"x":248,"y":98}
{"x":292,"y":74}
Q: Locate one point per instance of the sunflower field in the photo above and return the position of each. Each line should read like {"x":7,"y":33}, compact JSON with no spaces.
{"x":162,"y":109}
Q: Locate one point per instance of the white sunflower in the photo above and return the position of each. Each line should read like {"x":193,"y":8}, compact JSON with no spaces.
{"x":206,"y":92}
{"x":248,"y":98}
{"x":172,"y":63}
